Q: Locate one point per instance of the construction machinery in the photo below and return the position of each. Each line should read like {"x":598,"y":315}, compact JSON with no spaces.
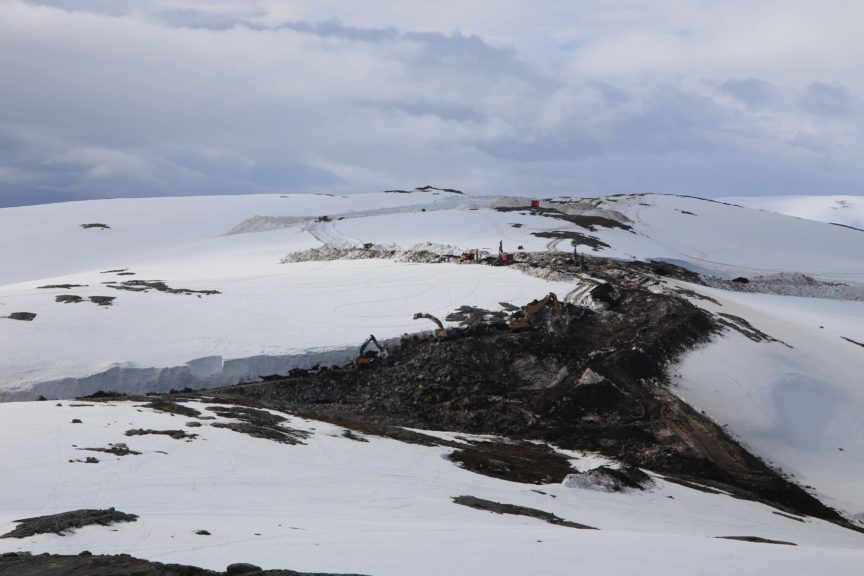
{"x":440,"y":332}
{"x":370,"y":351}
{"x":530,"y":311}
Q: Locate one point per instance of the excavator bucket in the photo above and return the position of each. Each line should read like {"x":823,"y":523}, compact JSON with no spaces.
{"x":532,"y":309}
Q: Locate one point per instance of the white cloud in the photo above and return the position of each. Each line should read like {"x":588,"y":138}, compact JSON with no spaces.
{"x":182,"y":96}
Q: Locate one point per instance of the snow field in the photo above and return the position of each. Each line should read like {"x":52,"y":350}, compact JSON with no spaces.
{"x":798,"y":408}
{"x":339,"y":505}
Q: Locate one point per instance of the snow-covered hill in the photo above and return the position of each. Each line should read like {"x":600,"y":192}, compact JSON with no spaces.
{"x":368,"y":505}
{"x":843,"y":210}
{"x":268,"y":317}
{"x":148,"y":295}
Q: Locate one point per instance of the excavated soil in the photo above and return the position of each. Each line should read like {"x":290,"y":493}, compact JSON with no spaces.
{"x":582,"y":380}
{"x":23,"y":564}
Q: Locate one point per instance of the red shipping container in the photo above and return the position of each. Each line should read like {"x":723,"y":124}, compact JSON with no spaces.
{"x":535,"y":203}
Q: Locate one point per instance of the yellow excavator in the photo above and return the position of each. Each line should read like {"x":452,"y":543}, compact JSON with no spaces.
{"x":370,"y":351}
{"x":440,"y":332}
{"x":522,"y":323}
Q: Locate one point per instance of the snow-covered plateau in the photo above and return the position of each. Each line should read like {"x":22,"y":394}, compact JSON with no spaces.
{"x":753,"y":318}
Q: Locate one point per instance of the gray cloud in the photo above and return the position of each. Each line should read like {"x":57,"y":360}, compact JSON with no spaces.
{"x":115,"y":98}
{"x":827,"y":100}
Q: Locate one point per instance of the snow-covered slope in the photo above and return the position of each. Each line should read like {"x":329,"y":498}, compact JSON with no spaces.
{"x":202,"y":298}
{"x":379,"y":507}
{"x":798,"y":403}
{"x":269,"y":317}
{"x":845,"y":210}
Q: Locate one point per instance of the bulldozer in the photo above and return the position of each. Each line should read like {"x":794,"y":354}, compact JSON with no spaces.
{"x":522,"y":323}
{"x":440,"y":332}
{"x":371,"y":351}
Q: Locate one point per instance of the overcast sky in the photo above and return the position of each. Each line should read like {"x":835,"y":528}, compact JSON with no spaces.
{"x":110,"y":98}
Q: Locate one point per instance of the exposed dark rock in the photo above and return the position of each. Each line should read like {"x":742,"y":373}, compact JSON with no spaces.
{"x":258,"y":424}
{"x":515,"y":461}
{"x":484,"y":379}
{"x":176,"y":434}
{"x":173,"y":408}
{"x":146,"y":285}
{"x":25,"y":564}
{"x":756,"y":539}
{"x":606,"y":479}
{"x":25,"y":316}
{"x":63,"y":286}
{"x":498,"y":508}
{"x":95,"y":225}
{"x":102,"y":300}
{"x":68,"y":299}
{"x":742,"y":326}
{"x":118,"y":449}
{"x":67,"y":522}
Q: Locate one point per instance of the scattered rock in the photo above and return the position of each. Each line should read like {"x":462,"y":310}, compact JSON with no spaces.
{"x":173,"y":408}
{"x":118,"y":449}
{"x":25,"y":564}
{"x":259,"y":424}
{"x":102,"y":300}
{"x":158,"y":285}
{"x":67,"y":522}
{"x":62,"y":286}
{"x":241,"y":568}
{"x":96,"y":225}
{"x":352,"y":436}
{"x":68,"y":299}
{"x":25,"y":316}
{"x":606,"y":479}
{"x":176,"y":434}
{"x":525,"y":462}
{"x":756,"y":539}
{"x":498,"y":508}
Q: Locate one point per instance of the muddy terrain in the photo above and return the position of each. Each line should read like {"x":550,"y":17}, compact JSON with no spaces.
{"x":585,"y":378}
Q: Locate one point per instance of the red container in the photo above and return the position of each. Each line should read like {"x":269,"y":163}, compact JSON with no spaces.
{"x":535,"y":203}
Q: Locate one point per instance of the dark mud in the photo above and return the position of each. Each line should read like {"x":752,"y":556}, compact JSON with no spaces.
{"x":23,"y":564}
{"x":67,"y":522}
{"x":581,"y":380}
{"x":498,"y":508}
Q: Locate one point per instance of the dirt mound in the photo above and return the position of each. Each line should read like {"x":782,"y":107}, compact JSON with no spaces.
{"x":583,"y":379}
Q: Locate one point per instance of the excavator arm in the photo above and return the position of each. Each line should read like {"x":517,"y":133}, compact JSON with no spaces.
{"x":370,"y":351}
{"x":441,"y":332}
{"x":530,"y":311}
